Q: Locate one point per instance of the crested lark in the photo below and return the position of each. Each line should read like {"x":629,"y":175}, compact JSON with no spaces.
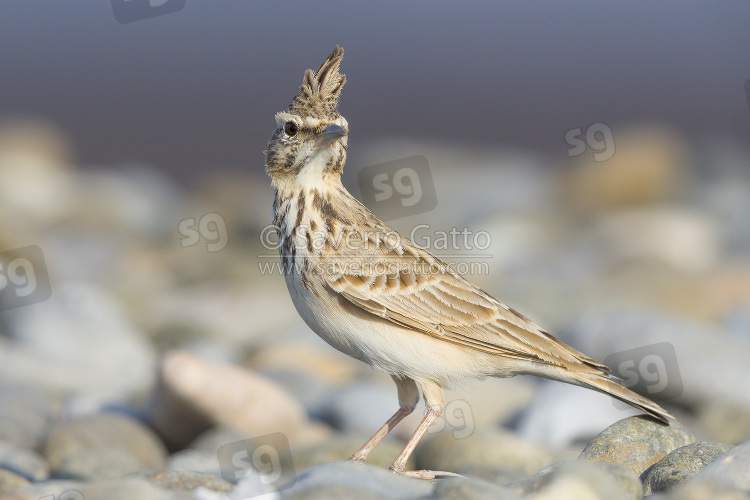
{"x":376,"y":296}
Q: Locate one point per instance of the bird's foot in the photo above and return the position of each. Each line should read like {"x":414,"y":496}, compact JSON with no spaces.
{"x":423,"y":474}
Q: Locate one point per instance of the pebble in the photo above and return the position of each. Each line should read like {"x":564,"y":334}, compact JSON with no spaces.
{"x":731,"y":468}
{"x":24,"y":462}
{"x":703,"y":489}
{"x":26,"y":414}
{"x":195,"y":393}
{"x":334,"y":492}
{"x":725,"y":422}
{"x":35,"y":177}
{"x":54,"y":490}
{"x":680,"y":465}
{"x":342,"y":446}
{"x":579,"y":480}
{"x":684,"y":239}
{"x":102,"y":446}
{"x":331,"y":367}
{"x":491,"y":451}
{"x":362,"y":407}
{"x":645,"y":165}
{"x":359,"y":477}
{"x":10,"y":481}
{"x":55,"y":342}
{"x":636,"y":443}
{"x":195,"y":461}
{"x":174,"y":480}
{"x":702,"y":355}
{"x":563,"y":414}
{"x":462,"y":488}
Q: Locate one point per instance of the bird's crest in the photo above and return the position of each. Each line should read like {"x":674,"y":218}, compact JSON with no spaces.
{"x":320,"y":90}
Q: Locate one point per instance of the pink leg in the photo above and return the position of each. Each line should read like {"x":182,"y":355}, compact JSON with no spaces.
{"x":433,"y":397}
{"x":408,"y":396}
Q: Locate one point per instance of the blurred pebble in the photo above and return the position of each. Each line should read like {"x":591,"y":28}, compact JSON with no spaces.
{"x":80,"y":340}
{"x":10,"y":481}
{"x":331,"y":367}
{"x":26,"y":414}
{"x":462,"y":488}
{"x":362,"y":407}
{"x":702,"y":489}
{"x":54,"y":490}
{"x":469,"y":408}
{"x":704,"y":354}
{"x":725,"y":422}
{"x":647,"y":164}
{"x":731,"y":468}
{"x":636,"y":443}
{"x":194,"y":393}
{"x":102,"y":446}
{"x":562,"y":414}
{"x":236,"y":316}
{"x":213,"y":438}
{"x":488,"y":449}
{"x":579,"y":480}
{"x":342,"y":446}
{"x":334,"y":492}
{"x":35,"y":179}
{"x":173,"y":480}
{"x":195,"y":461}
{"x":680,"y":465}
{"x":680,"y":237}
{"x":24,"y":462}
{"x":311,"y":391}
{"x":358,"y":476}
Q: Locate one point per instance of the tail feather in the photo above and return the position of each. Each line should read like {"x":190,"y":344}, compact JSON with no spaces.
{"x":610,"y":385}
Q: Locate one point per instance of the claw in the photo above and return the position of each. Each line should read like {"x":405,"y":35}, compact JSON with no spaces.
{"x":423,"y":474}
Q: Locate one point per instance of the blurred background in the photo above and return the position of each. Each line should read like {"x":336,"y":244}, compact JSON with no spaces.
{"x":599,"y":151}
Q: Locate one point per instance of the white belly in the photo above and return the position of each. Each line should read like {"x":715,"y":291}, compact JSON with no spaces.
{"x":387,"y":346}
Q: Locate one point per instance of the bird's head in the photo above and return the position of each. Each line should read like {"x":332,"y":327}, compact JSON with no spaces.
{"x":309,"y":143}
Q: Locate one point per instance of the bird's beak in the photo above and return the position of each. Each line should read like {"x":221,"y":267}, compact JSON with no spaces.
{"x":331,"y":133}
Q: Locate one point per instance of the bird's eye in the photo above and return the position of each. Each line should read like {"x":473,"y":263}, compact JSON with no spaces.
{"x":291,"y":129}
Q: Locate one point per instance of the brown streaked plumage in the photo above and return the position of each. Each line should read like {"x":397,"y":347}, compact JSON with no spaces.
{"x":374,"y":295}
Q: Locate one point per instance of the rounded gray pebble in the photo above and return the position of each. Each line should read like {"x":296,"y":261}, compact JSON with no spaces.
{"x":334,"y":492}
{"x":636,"y":442}
{"x":341,"y":447}
{"x":680,"y":465}
{"x":608,"y":481}
{"x":24,"y":462}
{"x":731,"y":468}
{"x":96,"y":464}
{"x":195,"y":461}
{"x":102,"y":446}
{"x":511,"y":456}
{"x":462,"y":488}
{"x":25,"y":415}
{"x":359,"y":476}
